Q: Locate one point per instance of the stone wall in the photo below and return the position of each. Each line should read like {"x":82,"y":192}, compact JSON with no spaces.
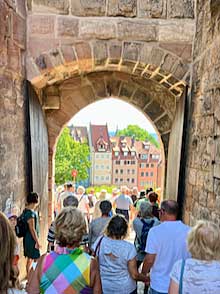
{"x":203,"y":164}
{"x":12,"y":104}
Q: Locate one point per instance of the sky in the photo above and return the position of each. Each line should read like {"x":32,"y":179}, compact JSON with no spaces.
{"x":114,"y":112}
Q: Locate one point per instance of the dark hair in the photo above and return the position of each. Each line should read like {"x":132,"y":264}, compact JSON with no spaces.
{"x":148,"y":190}
{"x":70,"y":201}
{"x":105,"y":207}
{"x":142,"y":194}
{"x":8,"y":275}
{"x":69,"y":185}
{"x":170,"y":207}
{"x":32,"y":198}
{"x":117,"y":227}
{"x":153,"y":197}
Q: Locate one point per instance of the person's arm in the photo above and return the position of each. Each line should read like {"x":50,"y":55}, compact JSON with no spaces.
{"x":95,"y":280}
{"x":33,"y":285}
{"x":31,"y":225}
{"x":132,"y":268}
{"x":174,"y":287}
{"x":148,"y":263}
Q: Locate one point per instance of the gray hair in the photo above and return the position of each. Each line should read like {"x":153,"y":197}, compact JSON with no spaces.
{"x":145,"y":209}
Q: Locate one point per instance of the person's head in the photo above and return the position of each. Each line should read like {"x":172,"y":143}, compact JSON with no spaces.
{"x":123,"y":189}
{"x":70,"y":187}
{"x":70,"y":226}
{"x":142,"y":194}
{"x":204,"y":241}
{"x":115,"y":192}
{"x":92,"y":191}
{"x":145,"y":210}
{"x":70,"y":201}
{"x":153,"y":197}
{"x":81,"y":190}
{"x":8,"y":276}
{"x":12,"y":219}
{"x":148,"y":190}
{"x":135,"y":191}
{"x":117,"y":227}
{"x":102,"y":194}
{"x":105,"y":207}
{"x":168,"y":210}
{"x":32,"y":198}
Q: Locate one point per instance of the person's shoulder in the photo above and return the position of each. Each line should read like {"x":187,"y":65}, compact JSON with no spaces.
{"x":137,"y":221}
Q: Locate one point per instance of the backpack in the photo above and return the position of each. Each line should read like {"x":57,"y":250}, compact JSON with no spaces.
{"x":21,"y":227}
{"x":144,"y":233}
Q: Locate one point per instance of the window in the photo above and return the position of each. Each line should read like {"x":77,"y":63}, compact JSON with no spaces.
{"x":128,"y":162}
{"x":142,"y":174}
{"x":102,"y":166}
{"x":132,"y":180}
{"x":107,"y":156}
{"x":102,"y":156}
{"x":128,"y":171}
{"x":125,"y":153}
{"x":152,"y":165}
{"x":107,"y":178}
{"x":142,"y":183}
{"x":128,"y":180}
{"x":125,"y":162}
{"x":121,"y":180}
{"x":116,"y":171}
{"x":133,"y":162}
{"x":151,"y":174}
{"x":133,"y":171}
{"x":117,"y":162}
{"x":142,"y":165}
{"x":144,"y":156}
{"x":107,"y":167}
{"x":146,"y":147}
{"x":132,"y":153}
{"x":147,"y":165}
{"x":116,"y":153}
{"x":97,"y":178}
{"x":97,"y":167}
{"x":102,"y":178}
{"x":121,"y":171}
{"x":147,"y":174}
{"x":116,"y":180}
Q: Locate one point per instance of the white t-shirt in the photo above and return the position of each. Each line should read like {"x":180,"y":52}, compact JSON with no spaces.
{"x":198,"y":277}
{"x":16,"y":291}
{"x":83,"y":202}
{"x":168,"y":242}
{"x":123,"y":202}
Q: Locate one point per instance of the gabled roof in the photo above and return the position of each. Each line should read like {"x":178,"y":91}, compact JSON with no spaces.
{"x":79,"y":134}
{"x":99,"y":133}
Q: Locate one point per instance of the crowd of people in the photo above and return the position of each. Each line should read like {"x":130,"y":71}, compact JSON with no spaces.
{"x":89,"y":250}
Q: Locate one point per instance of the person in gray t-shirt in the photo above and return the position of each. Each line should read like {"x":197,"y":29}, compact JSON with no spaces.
{"x":98,"y":225}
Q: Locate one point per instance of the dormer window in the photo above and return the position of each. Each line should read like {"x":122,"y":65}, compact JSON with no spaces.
{"x":125,"y":153}
{"x":132,"y":153}
{"x":116,"y":153}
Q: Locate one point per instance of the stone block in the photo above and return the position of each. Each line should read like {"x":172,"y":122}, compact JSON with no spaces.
{"x":126,"y":8}
{"x":43,"y":62}
{"x":154,"y":110}
{"x":181,"y":69}
{"x":182,"y":50}
{"x":68,"y":53}
{"x":113,"y":87}
{"x":51,"y":102}
{"x":67,"y":27}
{"x":43,"y":25}
{"x":126,"y":90}
{"x":157,"y":56}
{"x":14,"y":57}
{"x":51,"y":6}
{"x":88,"y":7}
{"x":21,"y":8}
{"x":83,"y":50}
{"x":152,"y":8}
{"x":114,"y":51}
{"x":131,"y":51}
{"x":141,"y":98}
{"x":176,"y":31}
{"x":164,"y":124}
{"x":97,"y":29}
{"x":168,"y":63}
{"x":180,"y":9}
{"x":100,"y":52}
{"x":139,"y":31}
{"x":19,"y":30}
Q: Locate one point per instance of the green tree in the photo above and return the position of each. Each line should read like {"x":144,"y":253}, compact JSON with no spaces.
{"x":139,"y":134}
{"x":70,"y":155}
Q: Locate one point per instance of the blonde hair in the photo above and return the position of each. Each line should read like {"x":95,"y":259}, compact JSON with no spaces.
{"x":70,"y":226}
{"x":82,"y":189}
{"x":204,"y":241}
{"x":8,"y":274}
{"x":102,"y":194}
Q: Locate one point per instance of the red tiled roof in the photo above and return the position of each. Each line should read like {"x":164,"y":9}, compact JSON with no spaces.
{"x":99,"y":132}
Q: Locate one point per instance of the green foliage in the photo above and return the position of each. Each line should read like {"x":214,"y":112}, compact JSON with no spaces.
{"x":139,"y":134}
{"x":70,"y":155}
